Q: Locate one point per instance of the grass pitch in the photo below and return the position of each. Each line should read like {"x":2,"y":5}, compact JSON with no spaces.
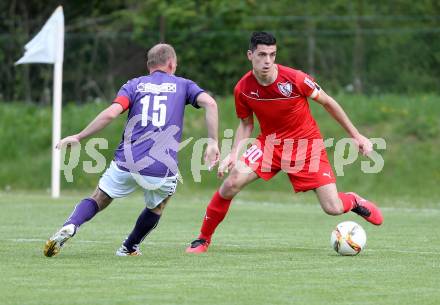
{"x":271,"y":249}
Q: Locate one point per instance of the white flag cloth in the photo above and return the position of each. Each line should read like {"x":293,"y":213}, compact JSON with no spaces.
{"x":45,"y":47}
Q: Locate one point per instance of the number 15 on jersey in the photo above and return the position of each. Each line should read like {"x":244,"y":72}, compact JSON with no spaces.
{"x":159,"y":111}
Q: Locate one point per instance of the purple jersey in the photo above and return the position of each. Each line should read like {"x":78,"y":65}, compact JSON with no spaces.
{"x":153,"y":130}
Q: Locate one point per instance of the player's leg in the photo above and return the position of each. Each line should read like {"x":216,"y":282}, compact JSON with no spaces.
{"x":85,"y":210}
{"x":334,"y":203}
{"x":146,"y":222}
{"x":330,"y":201}
{"x":114,"y":183}
{"x":89,"y":207}
{"x":317,"y":175}
{"x":219,"y":206}
{"x":156,"y":199}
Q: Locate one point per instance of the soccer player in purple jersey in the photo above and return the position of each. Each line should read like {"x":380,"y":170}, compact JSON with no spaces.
{"x":147,"y":154}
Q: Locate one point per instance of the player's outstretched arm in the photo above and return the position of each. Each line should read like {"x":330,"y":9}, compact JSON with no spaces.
{"x":100,"y":121}
{"x":212,"y":152}
{"x":336,"y":111}
{"x":244,"y":131}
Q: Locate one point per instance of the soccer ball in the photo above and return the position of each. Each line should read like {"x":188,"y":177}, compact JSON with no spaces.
{"x":348,"y":238}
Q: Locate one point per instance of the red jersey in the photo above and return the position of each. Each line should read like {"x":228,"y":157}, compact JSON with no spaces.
{"x":281,"y":107}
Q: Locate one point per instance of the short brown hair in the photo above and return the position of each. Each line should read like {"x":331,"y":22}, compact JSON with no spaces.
{"x":159,"y":55}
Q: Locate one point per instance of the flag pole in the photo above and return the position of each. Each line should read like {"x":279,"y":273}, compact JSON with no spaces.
{"x":56,"y":114}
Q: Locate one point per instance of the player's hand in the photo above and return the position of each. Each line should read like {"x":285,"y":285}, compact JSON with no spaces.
{"x":68,"y":141}
{"x":364,"y":144}
{"x":212,"y":154}
{"x":225,"y":166}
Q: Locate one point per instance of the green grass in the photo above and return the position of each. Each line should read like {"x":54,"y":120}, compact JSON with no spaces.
{"x":273,"y":248}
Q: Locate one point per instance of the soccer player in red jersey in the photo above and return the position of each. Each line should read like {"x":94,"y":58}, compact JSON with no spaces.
{"x":290,"y":140}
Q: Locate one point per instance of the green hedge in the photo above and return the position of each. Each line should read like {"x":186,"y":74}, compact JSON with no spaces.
{"x":410,"y":126}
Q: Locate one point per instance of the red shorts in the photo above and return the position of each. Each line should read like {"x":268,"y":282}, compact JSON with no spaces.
{"x":305,"y":162}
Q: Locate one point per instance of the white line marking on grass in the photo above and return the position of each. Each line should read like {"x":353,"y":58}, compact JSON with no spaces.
{"x":324,"y":249}
{"x":404,"y":251}
{"x":314,"y":205}
{"x":415,"y":210}
{"x":31,"y":240}
{"x":158,"y":243}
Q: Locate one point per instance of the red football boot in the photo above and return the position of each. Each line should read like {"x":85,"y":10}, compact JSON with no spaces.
{"x":198,"y":246}
{"x":367,"y":209}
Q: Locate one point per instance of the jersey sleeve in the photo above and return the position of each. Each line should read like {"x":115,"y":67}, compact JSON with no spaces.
{"x":125,"y":95}
{"x":306,"y":85}
{"x":241,"y":107}
{"x":192,"y":92}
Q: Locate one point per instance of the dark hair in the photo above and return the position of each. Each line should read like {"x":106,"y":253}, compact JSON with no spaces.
{"x":261,"y":38}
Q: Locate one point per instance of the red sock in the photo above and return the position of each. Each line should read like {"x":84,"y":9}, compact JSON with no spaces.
{"x":348,"y":200}
{"x":215,"y":213}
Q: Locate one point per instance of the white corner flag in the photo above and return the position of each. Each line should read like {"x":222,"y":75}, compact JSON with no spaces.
{"x":48,"y":47}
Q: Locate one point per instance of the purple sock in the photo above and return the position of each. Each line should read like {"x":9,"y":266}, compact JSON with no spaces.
{"x":145,"y":223}
{"x":84,"y":211}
